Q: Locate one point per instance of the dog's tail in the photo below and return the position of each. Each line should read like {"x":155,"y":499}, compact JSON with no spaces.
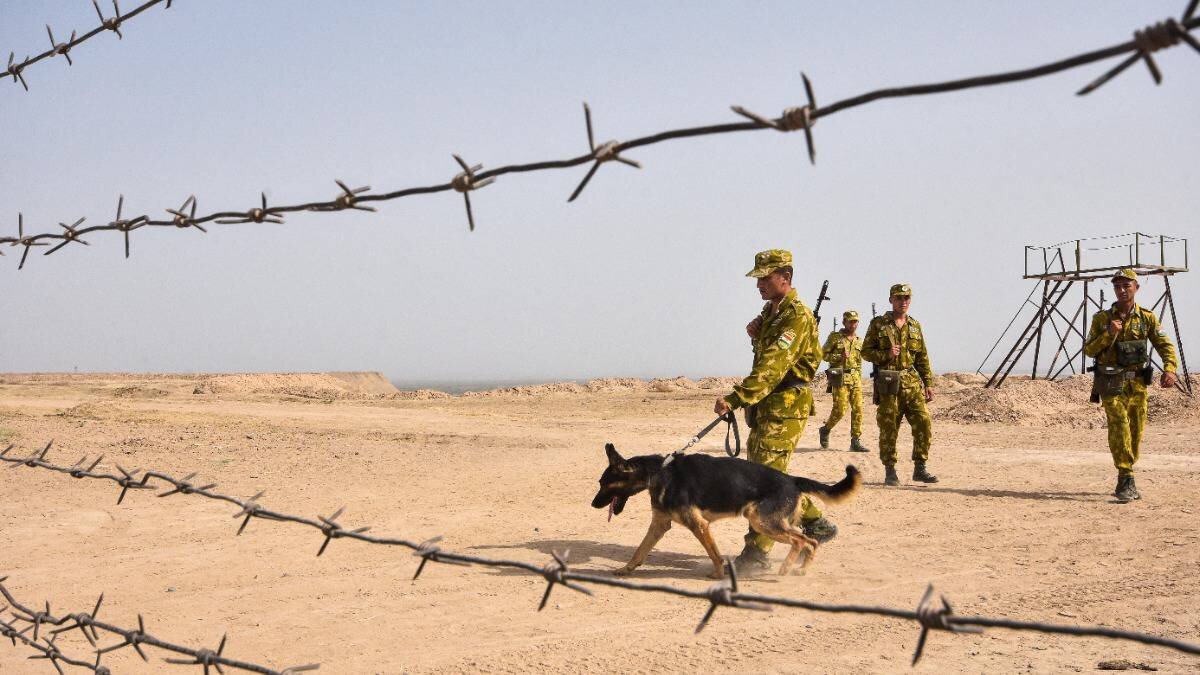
{"x":832,"y":494}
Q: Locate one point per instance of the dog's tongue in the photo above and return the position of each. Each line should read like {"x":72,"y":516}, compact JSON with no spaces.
{"x":610,"y":510}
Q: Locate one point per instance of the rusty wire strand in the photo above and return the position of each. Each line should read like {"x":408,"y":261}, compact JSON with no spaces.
{"x":112,"y":23}
{"x":92,"y":629}
{"x":1153,"y":38}
{"x":557,"y":572}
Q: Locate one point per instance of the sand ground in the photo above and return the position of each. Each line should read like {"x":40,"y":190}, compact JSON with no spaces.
{"x":1021,"y":526}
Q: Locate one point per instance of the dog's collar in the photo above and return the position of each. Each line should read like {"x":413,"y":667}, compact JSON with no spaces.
{"x":671,"y":458}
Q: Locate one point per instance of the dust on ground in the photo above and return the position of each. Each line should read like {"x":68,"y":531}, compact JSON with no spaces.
{"x":1022,"y":525}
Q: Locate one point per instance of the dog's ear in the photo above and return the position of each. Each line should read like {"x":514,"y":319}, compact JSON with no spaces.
{"x":614,"y":457}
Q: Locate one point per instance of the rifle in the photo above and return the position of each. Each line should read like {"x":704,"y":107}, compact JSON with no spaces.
{"x":874,"y":368}
{"x":821,"y":299}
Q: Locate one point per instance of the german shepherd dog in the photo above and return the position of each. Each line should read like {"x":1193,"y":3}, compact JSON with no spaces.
{"x":695,"y":490}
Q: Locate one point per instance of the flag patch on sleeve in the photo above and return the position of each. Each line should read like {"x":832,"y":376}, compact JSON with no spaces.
{"x":786,"y":340}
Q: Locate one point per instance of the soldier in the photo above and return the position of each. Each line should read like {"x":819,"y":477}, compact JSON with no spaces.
{"x":1117,"y":341}
{"x":896,"y":345}
{"x":843,"y":351}
{"x":787,"y":352}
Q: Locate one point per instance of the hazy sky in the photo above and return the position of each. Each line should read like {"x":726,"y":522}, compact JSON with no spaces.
{"x":643,"y":275}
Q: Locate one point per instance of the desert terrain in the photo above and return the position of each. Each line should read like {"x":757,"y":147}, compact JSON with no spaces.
{"x":1022,"y":525}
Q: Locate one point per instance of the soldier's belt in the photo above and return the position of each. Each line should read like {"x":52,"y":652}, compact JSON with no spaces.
{"x":790,"y":382}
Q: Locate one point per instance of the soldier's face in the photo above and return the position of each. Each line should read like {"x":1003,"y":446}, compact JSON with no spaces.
{"x":900,"y":303}
{"x":773,"y":286}
{"x":1125,"y":290}
{"x":851,"y":326}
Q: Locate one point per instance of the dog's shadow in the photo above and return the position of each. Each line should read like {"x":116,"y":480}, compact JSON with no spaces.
{"x":608,"y":556}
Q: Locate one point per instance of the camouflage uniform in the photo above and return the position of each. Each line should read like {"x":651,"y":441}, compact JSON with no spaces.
{"x":916,"y":372}
{"x":786,"y":350}
{"x":1126,"y":412}
{"x":845,"y":352}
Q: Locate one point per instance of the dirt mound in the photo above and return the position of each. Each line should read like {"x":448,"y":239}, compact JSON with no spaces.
{"x":1043,"y":403}
{"x":663,"y":384}
{"x":963,"y":378}
{"x":88,"y":410}
{"x":607,"y":384}
{"x":323,"y":386}
{"x":420,"y":395}
{"x":134,"y":391}
{"x":531,"y":390}
{"x":717,"y":382}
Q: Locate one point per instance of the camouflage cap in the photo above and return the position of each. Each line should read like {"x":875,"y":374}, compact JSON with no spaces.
{"x":900,"y":289}
{"x":768,"y":261}
{"x":1126,"y":273}
{"x":850,"y":315}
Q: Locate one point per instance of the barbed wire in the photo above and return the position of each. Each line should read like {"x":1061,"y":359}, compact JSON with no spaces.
{"x":930,"y":615}
{"x":113,"y":23}
{"x":1145,"y":42}
{"x":45,"y":642}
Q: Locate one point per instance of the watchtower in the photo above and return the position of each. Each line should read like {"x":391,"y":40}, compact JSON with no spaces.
{"x":1057,"y":340}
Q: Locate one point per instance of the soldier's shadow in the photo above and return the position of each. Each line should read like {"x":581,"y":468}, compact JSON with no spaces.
{"x":1037,"y":495}
{"x":608,"y":556}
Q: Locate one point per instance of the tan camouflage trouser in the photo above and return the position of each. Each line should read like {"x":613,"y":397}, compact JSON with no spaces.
{"x":847,"y":395}
{"x":1126,"y":413}
{"x":779,"y":423}
{"x":908,"y":404}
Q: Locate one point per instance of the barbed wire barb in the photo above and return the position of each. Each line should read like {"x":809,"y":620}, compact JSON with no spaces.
{"x":803,"y":117}
{"x":605,"y":152}
{"x":427,"y":551}
{"x":256,"y":215}
{"x":27,"y":242}
{"x":70,"y":236}
{"x":133,"y":639}
{"x":249,"y":509}
{"x":15,"y":69}
{"x":61,"y":49}
{"x":83,"y":622}
{"x":1148,"y":40}
{"x":465,"y":182}
{"x":181,"y":220}
{"x":126,"y":226}
{"x":555,"y":572}
{"x":333,"y":530}
{"x":113,"y":24}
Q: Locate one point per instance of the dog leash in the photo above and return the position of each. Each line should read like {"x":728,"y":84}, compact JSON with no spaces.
{"x":728,"y":418}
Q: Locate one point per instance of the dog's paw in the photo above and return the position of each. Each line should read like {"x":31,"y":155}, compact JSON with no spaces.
{"x":623,"y":571}
{"x":717,"y":574}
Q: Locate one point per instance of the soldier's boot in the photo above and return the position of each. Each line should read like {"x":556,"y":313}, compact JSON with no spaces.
{"x":890,"y":477}
{"x":751,"y":562}
{"x":824,"y":437}
{"x":923,"y":475}
{"x":856,"y":446}
{"x":820,"y":529}
{"x":1126,"y":490}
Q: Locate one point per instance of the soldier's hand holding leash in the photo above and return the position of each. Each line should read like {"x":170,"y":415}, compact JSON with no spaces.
{"x":1115,"y":326}
{"x":1168,"y":380}
{"x":721,"y":407}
